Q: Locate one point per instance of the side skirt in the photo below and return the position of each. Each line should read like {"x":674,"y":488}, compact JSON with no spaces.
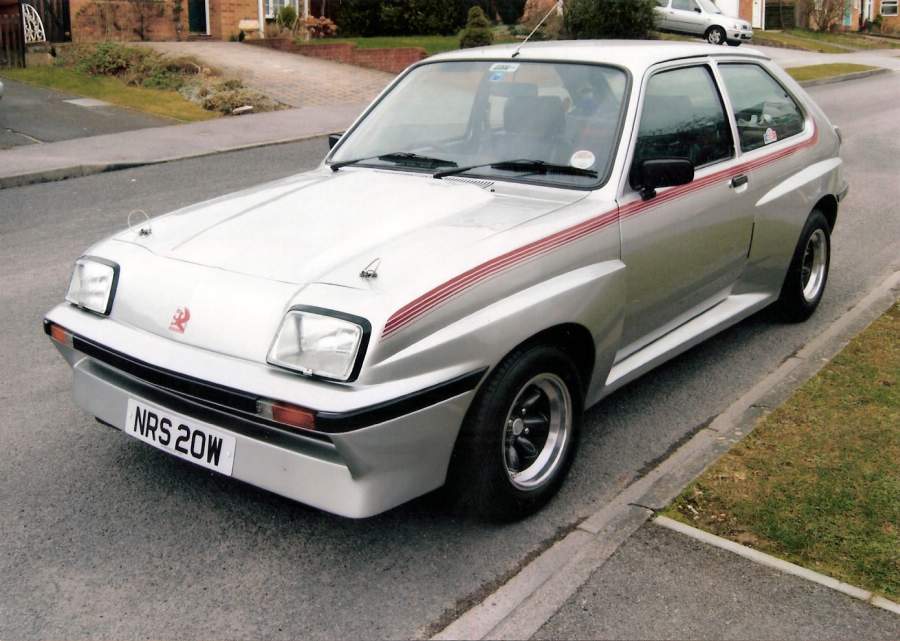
{"x":729,"y":312}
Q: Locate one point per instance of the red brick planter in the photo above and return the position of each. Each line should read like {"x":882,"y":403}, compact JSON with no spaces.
{"x":391,"y":60}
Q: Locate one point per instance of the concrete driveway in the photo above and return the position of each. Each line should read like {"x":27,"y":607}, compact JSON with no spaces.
{"x":30,"y":115}
{"x":298,"y":81}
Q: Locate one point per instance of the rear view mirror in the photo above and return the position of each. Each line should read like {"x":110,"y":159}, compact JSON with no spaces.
{"x":648,"y":175}
{"x":333,"y":139}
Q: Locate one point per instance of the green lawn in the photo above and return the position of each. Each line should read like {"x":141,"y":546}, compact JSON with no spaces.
{"x":848,"y":39}
{"x":818,"y":481}
{"x":168,"y":104}
{"x":820,"y":42}
{"x":431,"y":44}
{"x":782,"y":39}
{"x":816,"y":72}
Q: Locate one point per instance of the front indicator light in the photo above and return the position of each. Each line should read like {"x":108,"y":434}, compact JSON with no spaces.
{"x":59,"y":334}
{"x":287,"y":414}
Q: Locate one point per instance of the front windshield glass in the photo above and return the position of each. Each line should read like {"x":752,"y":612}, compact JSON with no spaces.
{"x":464,"y":113}
{"x":709,"y":6}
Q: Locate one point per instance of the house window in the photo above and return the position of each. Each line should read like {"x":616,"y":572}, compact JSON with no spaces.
{"x":274,"y":6}
{"x":889,"y":7}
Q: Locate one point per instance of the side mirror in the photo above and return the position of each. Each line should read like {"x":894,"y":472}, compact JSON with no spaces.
{"x":650,"y":174}
{"x":333,"y":139}
{"x":697,"y":9}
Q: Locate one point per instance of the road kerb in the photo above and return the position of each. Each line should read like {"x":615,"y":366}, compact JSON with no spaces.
{"x":856,"y":75}
{"x":523,"y":604}
{"x":777,"y":564}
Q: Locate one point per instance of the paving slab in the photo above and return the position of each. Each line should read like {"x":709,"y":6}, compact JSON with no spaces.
{"x":664,"y":585}
{"x":96,"y":154}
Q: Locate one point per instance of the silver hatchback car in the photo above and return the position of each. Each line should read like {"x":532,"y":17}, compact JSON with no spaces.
{"x":502,"y":239}
{"x":702,"y":18}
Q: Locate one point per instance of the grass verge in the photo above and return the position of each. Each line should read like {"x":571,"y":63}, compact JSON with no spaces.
{"x":817,"y":482}
{"x":786,"y":40}
{"x":158,"y":102}
{"x":817,"y":72}
{"x":844,"y":39}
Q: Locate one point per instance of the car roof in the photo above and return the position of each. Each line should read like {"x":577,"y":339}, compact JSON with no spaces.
{"x":635,"y":55}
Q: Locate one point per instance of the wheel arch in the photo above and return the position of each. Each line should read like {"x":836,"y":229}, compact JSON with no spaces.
{"x":828,"y":205}
{"x":574,"y":340}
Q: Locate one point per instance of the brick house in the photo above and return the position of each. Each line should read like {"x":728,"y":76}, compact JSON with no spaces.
{"x":94,"y":20}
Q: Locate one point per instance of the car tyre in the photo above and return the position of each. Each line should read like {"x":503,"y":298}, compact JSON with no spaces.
{"x":807,"y":275}
{"x":534,"y":395}
{"x":715,"y":36}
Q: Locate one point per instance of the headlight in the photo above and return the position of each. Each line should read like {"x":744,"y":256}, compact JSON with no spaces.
{"x":93,"y":284}
{"x":320,"y":342}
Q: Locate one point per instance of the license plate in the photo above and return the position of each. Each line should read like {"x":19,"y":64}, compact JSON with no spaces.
{"x":180,"y":436}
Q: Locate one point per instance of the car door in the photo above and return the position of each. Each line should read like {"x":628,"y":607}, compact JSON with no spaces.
{"x":686,"y":246}
{"x":685,"y":16}
{"x":661,"y":10}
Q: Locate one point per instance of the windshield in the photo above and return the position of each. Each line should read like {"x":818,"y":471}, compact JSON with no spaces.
{"x":481,"y":112}
{"x":709,"y":6}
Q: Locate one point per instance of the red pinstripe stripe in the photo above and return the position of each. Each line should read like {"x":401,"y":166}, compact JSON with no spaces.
{"x":436,"y":296}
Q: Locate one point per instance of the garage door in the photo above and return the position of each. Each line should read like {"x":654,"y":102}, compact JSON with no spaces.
{"x":729,"y":7}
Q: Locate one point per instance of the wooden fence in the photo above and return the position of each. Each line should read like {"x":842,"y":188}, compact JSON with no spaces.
{"x":12,"y":39}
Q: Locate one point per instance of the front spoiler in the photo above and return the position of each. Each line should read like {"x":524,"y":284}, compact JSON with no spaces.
{"x":358,"y":474}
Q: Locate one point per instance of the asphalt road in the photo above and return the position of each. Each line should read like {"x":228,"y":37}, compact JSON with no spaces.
{"x":32,"y":115}
{"x":108,"y":538}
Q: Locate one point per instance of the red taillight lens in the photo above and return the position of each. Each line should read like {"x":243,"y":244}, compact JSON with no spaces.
{"x":60,"y":335}
{"x":287,"y":414}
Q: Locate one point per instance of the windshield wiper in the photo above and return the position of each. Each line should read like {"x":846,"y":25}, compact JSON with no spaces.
{"x":399,"y":157}
{"x":534,"y":166}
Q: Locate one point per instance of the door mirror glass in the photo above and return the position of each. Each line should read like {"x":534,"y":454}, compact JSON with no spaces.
{"x":651,"y":174}
{"x":333,"y":139}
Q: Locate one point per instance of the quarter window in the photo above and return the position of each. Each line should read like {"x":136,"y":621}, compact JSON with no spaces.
{"x":684,"y":5}
{"x":683,"y":117}
{"x":765,"y":112}
{"x":889,"y":7}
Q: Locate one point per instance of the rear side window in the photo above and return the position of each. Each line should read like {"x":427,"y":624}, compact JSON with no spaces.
{"x":765,"y":112}
{"x":683,"y":117}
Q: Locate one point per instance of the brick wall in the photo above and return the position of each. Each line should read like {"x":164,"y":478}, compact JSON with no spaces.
{"x":392,"y":60}
{"x":94,"y":20}
{"x":225,"y":15}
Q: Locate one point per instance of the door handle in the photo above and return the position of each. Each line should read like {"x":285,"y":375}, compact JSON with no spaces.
{"x":740,"y":179}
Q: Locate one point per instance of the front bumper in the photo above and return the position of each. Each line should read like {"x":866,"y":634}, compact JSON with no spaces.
{"x":356,"y":473}
{"x":739,"y":35}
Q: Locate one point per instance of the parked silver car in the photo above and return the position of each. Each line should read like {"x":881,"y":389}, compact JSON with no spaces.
{"x":501,"y":240}
{"x":702,"y":18}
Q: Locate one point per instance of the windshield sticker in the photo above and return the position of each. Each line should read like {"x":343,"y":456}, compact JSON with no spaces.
{"x":770,"y":136}
{"x":505,"y":67}
{"x":497,"y":76}
{"x":582,"y":159}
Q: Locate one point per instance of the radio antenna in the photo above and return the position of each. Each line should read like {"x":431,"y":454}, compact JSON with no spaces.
{"x":558,"y":8}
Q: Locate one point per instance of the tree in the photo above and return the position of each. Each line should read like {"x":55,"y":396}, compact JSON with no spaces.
{"x":510,"y":10}
{"x":628,"y":19}
{"x":478,"y":30}
{"x":821,"y":14}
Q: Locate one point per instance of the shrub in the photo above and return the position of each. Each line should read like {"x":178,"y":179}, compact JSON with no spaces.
{"x":287,"y":17}
{"x":226,"y":97}
{"x":478,"y":30}
{"x":320,"y":27}
{"x":630,"y":19}
{"x":359,"y":17}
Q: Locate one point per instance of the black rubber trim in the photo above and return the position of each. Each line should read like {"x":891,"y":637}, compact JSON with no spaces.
{"x":335,"y":422}
{"x":243,"y":404}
